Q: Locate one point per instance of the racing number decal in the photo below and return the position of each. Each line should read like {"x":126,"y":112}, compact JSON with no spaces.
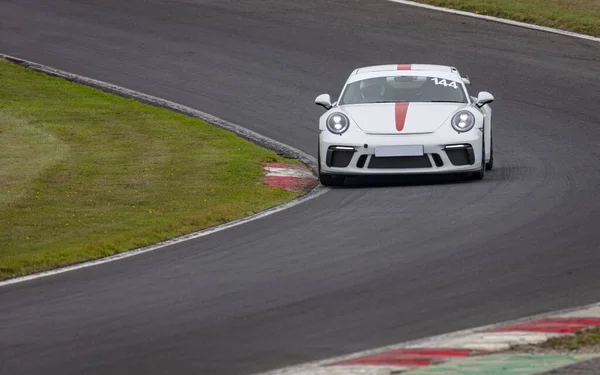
{"x":443,"y":82}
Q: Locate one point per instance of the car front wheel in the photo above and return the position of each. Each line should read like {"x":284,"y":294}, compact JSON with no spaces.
{"x":328,"y":179}
{"x":331,"y":179}
{"x":480,"y":174}
{"x":490,"y":164}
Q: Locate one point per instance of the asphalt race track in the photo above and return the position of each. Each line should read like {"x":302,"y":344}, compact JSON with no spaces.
{"x":359,"y":267}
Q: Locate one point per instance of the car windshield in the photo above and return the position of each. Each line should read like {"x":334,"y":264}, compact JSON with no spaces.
{"x":404,"y":89}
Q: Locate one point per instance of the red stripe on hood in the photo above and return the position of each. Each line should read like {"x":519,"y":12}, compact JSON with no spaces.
{"x":400,"y":113}
{"x":405,"y":67}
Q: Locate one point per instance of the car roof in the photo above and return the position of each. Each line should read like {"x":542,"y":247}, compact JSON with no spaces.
{"x":441,"y":71}
{"x":395,"y":67}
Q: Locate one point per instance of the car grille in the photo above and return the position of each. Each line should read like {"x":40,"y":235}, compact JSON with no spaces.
{"x":399,"y":162}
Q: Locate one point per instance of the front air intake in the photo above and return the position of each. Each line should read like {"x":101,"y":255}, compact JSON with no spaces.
{"x":339,"y":156}
{"x":460,"y":154}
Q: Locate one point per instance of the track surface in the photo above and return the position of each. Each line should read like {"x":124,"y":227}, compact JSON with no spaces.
{"x":356,"y":268}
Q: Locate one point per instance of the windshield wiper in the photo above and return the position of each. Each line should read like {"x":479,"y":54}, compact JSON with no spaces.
{"x":443,"y":101}
{"x":404,"y":101}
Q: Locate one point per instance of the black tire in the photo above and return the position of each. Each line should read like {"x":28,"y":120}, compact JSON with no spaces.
{"x":490,"y":164}
{"x":319,"y":156}
{"x":331,"y":179}
{"x":480,"y":174}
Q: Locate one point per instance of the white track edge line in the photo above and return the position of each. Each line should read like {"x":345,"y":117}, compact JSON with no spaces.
{"x":423,"y":341}
{"x":262,"y":141}
{"x":499,"y":20}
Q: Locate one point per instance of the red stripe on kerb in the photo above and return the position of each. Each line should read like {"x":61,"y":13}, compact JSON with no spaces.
{"x":553,"y":325}
{"x":405,"y":67}
{"x":411,"y":357}
{"x":290,"y":183}
{"x":400,"y":113}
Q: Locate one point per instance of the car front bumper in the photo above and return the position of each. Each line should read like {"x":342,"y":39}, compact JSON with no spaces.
{"x":355,"y":155}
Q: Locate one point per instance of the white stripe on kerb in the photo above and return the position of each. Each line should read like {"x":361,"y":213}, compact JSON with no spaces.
{"x":301,"y":173}
{"x":592,"y":312}
{"x":490,"y":341}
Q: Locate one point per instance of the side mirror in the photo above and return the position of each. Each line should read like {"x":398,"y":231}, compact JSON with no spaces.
{"x":484,"y":98}
{"x":324,"y":100}
{"x":466,"y":80}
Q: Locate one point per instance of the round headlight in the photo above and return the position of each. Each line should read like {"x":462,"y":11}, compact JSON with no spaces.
{"x":463,"y":121}
{"x":337,"y":123}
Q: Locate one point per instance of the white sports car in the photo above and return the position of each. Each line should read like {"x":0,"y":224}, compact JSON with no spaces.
{"x":405,"y":119}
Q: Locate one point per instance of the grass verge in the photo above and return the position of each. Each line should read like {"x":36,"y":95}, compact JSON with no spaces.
{"x":584,"y":341}
{"x":585,"y":338}
{"x":85,"y":174}
{"x":581,"y":16}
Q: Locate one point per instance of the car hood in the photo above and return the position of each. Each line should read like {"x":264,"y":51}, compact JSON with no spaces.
{"x":401,"y":118}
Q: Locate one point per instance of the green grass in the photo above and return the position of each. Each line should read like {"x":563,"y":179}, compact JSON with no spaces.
{"x":582,"y":339}
{"x":581,"y":16}
{"x":85,"y":174}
